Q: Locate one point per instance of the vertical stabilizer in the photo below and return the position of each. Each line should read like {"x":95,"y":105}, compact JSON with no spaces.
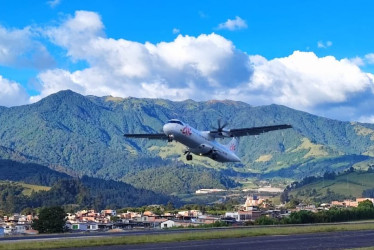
{"x":233,"y":144}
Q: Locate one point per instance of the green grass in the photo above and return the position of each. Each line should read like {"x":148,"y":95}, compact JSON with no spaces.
{"x":191,"y":235}
{"x":348,"y":185}
{"x":28,"y":188}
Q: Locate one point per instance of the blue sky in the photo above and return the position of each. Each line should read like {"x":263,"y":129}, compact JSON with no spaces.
{"x":315,"y":56}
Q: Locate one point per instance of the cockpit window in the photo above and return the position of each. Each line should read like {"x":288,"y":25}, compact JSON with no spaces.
{"x":175,"y":121}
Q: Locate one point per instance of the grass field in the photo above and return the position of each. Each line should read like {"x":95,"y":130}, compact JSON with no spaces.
{"x":351,"y":184}
{"x":28,"y":188}
{"x":191,"y":235}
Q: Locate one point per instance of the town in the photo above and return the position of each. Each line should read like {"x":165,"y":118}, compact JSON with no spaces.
{"x":109,"y":220}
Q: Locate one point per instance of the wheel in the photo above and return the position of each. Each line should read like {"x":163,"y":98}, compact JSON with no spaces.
{"x":189,"y":157}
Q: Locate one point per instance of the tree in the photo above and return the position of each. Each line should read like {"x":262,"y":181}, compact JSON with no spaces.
{"x":366,"y":204}
{"x":51,"y":220}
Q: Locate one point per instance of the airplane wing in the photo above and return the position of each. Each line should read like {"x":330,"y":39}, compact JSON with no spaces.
{"x":248,"y":131}
{"x":256,"y":130}
{"x":148,"y":136}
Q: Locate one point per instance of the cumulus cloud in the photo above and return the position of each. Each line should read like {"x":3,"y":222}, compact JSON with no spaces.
{"x":303,"y":80}
{"x":203,"y":68}
{"x":233,"y":24}
{"x":324,"y":45}
{"x":19,"y":49}
{"x":11,"y":93}
{"x":207,"y":63}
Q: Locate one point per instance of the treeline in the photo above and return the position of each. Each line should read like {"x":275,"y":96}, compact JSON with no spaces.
{"x":79,"y":193}
{"x":29,"y":173}
{"x":216,"y":208}
{"x":179,"y":179}
{"x":364,"y":211}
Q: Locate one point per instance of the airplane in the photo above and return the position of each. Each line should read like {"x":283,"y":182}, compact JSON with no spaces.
{"x":203,"y":143}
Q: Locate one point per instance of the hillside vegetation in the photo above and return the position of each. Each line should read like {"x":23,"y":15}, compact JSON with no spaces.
{"x":83,"y":135}
{"x":348,"y":185}
{"x":20,"y":188}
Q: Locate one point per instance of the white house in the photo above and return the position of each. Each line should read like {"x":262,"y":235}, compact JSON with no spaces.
{"x":167,"y":224}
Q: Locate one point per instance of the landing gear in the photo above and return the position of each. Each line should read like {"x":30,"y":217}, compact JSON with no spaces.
{"x":189,"y":157}
{"x":170,"y":138}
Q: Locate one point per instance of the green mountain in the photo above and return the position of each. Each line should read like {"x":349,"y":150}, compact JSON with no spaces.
{"x":84,"y":192}
{"x":350,"y":184}
{"x":83,"y":135}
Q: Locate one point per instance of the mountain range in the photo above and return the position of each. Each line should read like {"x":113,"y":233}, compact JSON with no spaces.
{"x":83,"y":135}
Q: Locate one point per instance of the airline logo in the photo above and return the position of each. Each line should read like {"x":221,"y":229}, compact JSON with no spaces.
{"x":186,"y":131}
{"x":232,"y":147}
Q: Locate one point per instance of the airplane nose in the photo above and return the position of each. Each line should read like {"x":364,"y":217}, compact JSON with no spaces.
{"x":166,"y":128}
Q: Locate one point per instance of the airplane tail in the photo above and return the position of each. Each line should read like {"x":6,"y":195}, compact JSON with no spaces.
{"x":233,"y":144}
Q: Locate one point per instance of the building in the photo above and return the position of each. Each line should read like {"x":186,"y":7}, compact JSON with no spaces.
{"x":2,"y":231}
{"x":244,"y":215}
{"x":167,"y":224}
{"x":209,"y":191}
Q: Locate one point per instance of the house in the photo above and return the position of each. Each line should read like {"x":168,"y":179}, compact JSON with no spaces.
{"x":205,"y":219}
{"x":77,"y":226}
{"x":21,"y":228}
{"x":345,"y":203}
{"x":109,"y":212}
{"x":244,"y":215}
{"x":190,"y":213}
{"x":9,"y":229}
{"x":167,"y":224}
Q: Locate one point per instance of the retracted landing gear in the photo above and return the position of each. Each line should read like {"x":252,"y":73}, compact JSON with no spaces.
{"x":188,"y":155}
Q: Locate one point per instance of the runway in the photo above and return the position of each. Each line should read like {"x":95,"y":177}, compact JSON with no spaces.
{"x":333,"y":240}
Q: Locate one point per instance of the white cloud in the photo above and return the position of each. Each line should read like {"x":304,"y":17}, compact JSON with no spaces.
{"x":357,"y":61}
{"x":366,"y":119}
{"x":11,"y":93}
{"x":187,"y":65}
{"x":233,"y":24}
{"x":304,"y":81}
{"x":19,"y":49}
{"x":324,"y":45}
{"x":53,"y":3}
{"x":203,"y":68}
{"x":176,"y":31}
{"x":370,"y":58}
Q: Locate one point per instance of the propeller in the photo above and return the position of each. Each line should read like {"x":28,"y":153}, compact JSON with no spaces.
{"x":220,"y":127}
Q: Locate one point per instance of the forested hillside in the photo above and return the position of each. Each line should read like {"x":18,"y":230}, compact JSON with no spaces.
{"x":83,"y":135}
{"x":85,"y":192}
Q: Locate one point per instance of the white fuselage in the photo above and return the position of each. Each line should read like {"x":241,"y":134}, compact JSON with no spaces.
{"x":199,"y":142}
